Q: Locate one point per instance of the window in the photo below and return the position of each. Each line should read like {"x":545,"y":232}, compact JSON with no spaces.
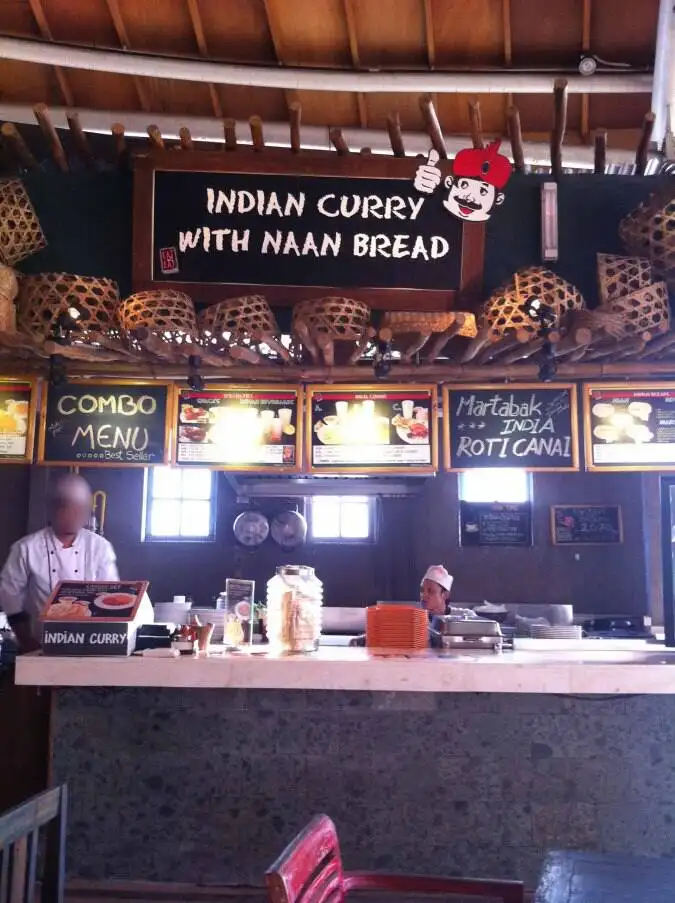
{"x":180,"y":504}
{"x":342,"y":517}
{"x":507,"y":486}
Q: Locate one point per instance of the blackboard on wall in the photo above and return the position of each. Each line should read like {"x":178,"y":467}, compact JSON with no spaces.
{"x":587,"y":525}
{"x":529,"y":427}
{"x":106,"y":423}
{"x":495,"y":524}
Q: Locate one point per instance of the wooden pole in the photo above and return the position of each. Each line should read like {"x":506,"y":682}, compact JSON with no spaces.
{"x":295,"y":110}
{"x":80,"y":139}
{"x":120,"y":144}
{"x":12,"y":137}
{"x":476,"y":121}
{"x":516,"y":138}
{"x":600,"y":151}
{"x":338,"y":142}
{"x":185,"y":138}
{"x":642,"y":152}
{"x":155,"y":138}
{"x":230,"y":132}
{"x":256,"y":126}
{"x":395,"y":135}
{"x":432,"y":125}
{"x":48,"y":130}
{"x":559,"y":124}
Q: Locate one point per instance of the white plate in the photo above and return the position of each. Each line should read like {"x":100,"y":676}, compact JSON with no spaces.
{"x":416,"y":440}
{"x":100,"y":603}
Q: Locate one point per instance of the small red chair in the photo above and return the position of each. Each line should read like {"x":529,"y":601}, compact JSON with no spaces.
{"x":310,"y":871}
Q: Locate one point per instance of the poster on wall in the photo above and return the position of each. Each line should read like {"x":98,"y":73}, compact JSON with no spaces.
{"x":257,"y":427}
{"x":18,"y":402}
{"x":529,"y":426}
{"x":586,"y":525}
{"x":106,"y":423}
{"x":629,"y":427}
{"x":372,"y":429}
{"x":495,"y":524}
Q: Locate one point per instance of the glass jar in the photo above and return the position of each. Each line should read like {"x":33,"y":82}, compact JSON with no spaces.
{"x":294,"y":602}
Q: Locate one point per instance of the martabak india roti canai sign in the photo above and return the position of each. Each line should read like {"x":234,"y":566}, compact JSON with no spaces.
{"x":530,"y":427}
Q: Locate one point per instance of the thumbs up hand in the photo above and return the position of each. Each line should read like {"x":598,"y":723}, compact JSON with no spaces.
{"x":428,"y":175}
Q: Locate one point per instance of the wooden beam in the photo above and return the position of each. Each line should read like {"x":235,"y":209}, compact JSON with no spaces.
{"x":255,"y":122}
{"x":559,"y":124}
{"x":230,"y":131}
{"x":50,"y":133}
{"x":40,"y":17}
{"x":200,"y":38}
{"x":506,"y":27}
{"x":395,"y":135}
{"x":80,"y":139}
{"x":274,"y":26}
{"x":185,"y":139}
{"x":600,"y":151}
{"x":338,"y":142}
{"x":476,"y":124}
{"x":350,"y":18}
{"x":429,"y":34}
{"x":296,"y":118}
{"x":155,"y":138}
{"x":125,"y":44}
{"x":584,"y":126}
{"x":121,"y":151}
{"x":13,"y":139}
{"x":642,"y":152}
{"x":516,"y":138}
{"x":432,"y":125}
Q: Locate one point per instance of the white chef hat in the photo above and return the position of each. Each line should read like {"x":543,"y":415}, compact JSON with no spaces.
{"x":439,"y":575}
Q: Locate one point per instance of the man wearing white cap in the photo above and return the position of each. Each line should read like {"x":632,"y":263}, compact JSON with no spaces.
{"x":64,"y":550}
{"x":435,"y":590}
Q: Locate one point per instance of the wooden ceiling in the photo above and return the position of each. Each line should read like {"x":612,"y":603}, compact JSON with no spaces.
{"x":341,"y":34}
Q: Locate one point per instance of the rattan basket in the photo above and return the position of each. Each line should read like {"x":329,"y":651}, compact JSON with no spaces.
{"x":407,"y":321}
{"x":503,"y":313}
{"x":618,"y":276}
{"x":339,"y":318}
{"x":9,"y":288}
{"x":46,"y":295}
{"x":167,"y":314}
{"x":649,"y":231}
{"x":236,"y":321}
{"x":644,"y":311}
{"x":20,"y":230}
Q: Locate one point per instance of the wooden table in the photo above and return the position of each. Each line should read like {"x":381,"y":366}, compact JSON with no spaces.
{"x":605,"y":878}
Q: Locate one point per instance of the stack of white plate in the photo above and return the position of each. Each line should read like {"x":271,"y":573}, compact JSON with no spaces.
{"x":172,"y":612}
{"x":558,"y":632}
{"x":215,"y":616}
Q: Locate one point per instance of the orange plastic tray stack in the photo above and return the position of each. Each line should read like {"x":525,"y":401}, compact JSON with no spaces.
{"x":397,"y":627}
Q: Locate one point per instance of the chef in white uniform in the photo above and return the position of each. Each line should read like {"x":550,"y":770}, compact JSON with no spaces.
{"x":64,"y":550}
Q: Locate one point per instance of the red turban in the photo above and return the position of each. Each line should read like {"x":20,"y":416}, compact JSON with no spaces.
{"x":487,"y":165}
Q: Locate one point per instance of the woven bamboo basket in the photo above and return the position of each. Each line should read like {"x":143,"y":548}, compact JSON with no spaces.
{"x":644,"y":311}
{"x":167,"y":314}
{"x":340,"y":318}
{"x":236,"y":321}
{"x":502,"y":312}
{"x":649,"y":231}
{"x":20,"y":230}
{"x":9,"y":288}
{"x":405,"y":321}
{"x":618,"y":276}
{"x":46,"y":295}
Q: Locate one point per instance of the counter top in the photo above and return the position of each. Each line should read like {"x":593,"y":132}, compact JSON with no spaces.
{"x":607,"y":672}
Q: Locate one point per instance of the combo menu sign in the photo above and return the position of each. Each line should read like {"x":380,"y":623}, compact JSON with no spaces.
{"x":17,"y":419}
{"x":630,"y":427}
{"x":99,"y":422}
{"x":375,"y":429}
{"x":240,"y":427}
{"x":532,"y":427}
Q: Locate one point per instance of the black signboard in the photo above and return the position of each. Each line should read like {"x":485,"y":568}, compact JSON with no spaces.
{"x":495,"y":524}
{"x":371,"y":429}
{"x":240,"y":428}
{"x":530,"y":427}
{"x":588,"y":525}
{"x":300,"y":230}
{"x":106,"y":423}
{"x":630,"y":427}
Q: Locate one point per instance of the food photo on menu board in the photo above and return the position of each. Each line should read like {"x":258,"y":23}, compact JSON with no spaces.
{"x":80,"y":601}
{"x":16,"y":419}
{"x":248,"y":426}
{"x":630,"y":426}
{"x":376,"y":427}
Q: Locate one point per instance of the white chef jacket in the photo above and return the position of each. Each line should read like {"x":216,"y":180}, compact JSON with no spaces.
{"x":38,"y":562}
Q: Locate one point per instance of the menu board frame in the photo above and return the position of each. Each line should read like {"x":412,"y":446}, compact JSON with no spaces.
{"x":247,"y":468}
{"x":106,"y":381}
{"x":35,"y":390}
{"x":588,"y":389}
{"x":87,"y":587}
{"x":610,"y":542}
{"x":400,"y":470}
{"x":493,"y":387}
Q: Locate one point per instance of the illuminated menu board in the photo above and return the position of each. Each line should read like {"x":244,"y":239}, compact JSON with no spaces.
{"x":17,"y":419}
{"x":256,"y":427}
{"x":630,"y":427}
{"x":372,"y":429}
